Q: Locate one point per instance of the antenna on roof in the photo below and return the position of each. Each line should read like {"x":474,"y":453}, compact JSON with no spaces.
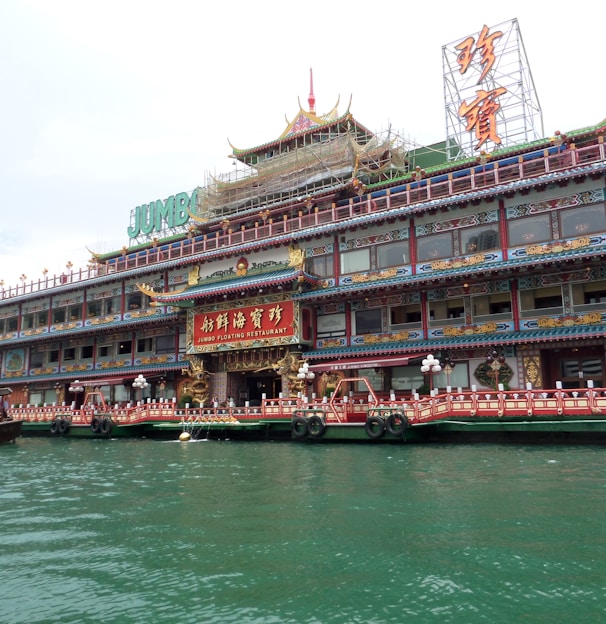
{"x":312,"y":99}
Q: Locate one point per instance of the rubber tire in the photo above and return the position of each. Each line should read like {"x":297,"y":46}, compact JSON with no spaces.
{"x":95,"y":424}
{"x":375,"y":427}
{"x":316,"y":427}
{"x":397,"y":424}
{"x":54,"y":428}
{"x":64,"y":426}
{"x":106,"y":426}
{"x":298,"y":428}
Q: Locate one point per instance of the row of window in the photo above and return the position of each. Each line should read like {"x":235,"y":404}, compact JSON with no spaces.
{"x":538,"y":228}
{"x":585,"y":297}
{"x":158,"y":345}
{"x":75,"y":312}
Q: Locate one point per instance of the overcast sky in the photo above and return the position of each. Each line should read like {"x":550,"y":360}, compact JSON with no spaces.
{"x":109,"y":105}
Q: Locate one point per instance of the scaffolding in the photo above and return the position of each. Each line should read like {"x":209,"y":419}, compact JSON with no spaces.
{"x":303,"y":171}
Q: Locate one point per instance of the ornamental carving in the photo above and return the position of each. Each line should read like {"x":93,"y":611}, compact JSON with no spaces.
{"x":569,"y":320}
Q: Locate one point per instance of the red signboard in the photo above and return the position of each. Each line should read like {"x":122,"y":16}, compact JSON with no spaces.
{"x":258,"y":322}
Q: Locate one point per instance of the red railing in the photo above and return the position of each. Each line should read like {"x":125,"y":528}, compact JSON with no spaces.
{"x":429,"y":189}
{"x":470,"y":405}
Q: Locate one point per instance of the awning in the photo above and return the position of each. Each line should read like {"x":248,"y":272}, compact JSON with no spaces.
{"x":378,"y":362}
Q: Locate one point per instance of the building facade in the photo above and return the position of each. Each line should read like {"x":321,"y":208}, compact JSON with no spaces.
{"x":335,"y":246}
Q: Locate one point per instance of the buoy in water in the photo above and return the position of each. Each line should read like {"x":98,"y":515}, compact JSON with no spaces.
{"x":184,"y":437}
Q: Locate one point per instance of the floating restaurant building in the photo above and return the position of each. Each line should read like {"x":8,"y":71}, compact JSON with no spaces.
{"x":353,"y":251}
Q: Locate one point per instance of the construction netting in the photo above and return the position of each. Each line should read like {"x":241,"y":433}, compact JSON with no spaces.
{"x":303,"y":171}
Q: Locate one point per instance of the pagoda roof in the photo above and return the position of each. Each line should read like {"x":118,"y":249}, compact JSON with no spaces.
{"x":305,"y":123}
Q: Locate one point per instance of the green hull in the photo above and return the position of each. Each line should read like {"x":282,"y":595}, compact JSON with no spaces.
{"x":570,"y":429}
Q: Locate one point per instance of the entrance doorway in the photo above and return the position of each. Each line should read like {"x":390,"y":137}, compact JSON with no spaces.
{"x":574,"y":367}
{"x":259,"y":385}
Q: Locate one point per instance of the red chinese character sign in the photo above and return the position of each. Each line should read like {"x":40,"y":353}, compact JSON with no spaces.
{"x":243,"y":327}
{"x":490,"y":99}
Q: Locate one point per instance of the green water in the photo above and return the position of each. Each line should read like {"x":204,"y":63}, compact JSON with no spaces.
{"x":165,"y":532}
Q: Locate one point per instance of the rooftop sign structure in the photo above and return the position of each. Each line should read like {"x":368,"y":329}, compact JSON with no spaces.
{"x":490,"y":98}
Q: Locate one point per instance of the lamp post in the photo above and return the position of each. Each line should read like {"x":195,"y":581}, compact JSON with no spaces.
{"x":76,"y":388}
{"x":448,"y":368}
{"x":139,"y":385}
{"x":429,"y":366}
{"x":305,"y":375}
{"x":495,"y":360}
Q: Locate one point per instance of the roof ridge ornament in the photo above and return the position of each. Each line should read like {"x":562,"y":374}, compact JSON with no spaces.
{"x":312,"y":98}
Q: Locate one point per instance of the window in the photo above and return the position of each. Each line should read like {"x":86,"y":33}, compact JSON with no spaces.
{"x":87,"y":352}
{"x":355,"y":261}
{"x":135,"y":301}
{"x":392,"y":254}
{"x":36,"y":359}
{"x":69,"y":354}
{"x":112,"y":305}
{"x":103,"y":351}
{"x":53,"y":356}
{"x":376,"y":378}
{"x":165,"y":344}
{"x":59,"y":315}
{"x":331,"y":325}
{"x":401,"y":315}
{"x":434,"y":247}
{"x":542,"y":299}
{"x":446,"y":309}
{"x":28,"y":321}
{"x":368,"y":322}
{"x":41,"y":319}
{"x":529,"y":230}
{"x":144,"y":345}
{"x":322,"y":266}
{"x":12,"y":324}
{"x":589,"y":293}
{"x":582,"y":220}
{"x":479,"y":239}
{"x":498,"y":303}
{"x":75,"y":312}
{"x":93,"y":308}
{"x":125,"y":347}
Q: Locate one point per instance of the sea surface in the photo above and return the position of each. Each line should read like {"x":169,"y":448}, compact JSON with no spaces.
{"x":141,"y":531}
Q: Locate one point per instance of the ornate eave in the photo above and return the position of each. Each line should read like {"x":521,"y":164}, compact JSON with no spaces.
{"x":238,"y":285}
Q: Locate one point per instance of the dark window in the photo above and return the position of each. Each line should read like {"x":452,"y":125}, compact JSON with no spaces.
{"x":541,"y":303}
{"x":368,"y":322}
{"x":87,"y":352}
{"x":69,"y":354}
{"x":165,"y":344}
{"x":125,"y":347}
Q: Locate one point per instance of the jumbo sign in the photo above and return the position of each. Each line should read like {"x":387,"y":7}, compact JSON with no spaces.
{"x":160,"y":215}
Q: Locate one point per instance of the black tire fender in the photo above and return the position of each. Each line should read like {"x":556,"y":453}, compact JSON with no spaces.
{"x":95,"y":424}
{"x":316,"y":427}
{"x":397,"y":423}
{"x":298,"y":427}
{"x":106,"y":425}
{"x":63,"y":426}
{"x":375,"y":427}
{"x":54,"y":428}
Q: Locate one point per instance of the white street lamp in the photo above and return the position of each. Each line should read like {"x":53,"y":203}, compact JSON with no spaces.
{"x":430,"y":366}
{"x":305,"y":375}
{"x":139,"y":385}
